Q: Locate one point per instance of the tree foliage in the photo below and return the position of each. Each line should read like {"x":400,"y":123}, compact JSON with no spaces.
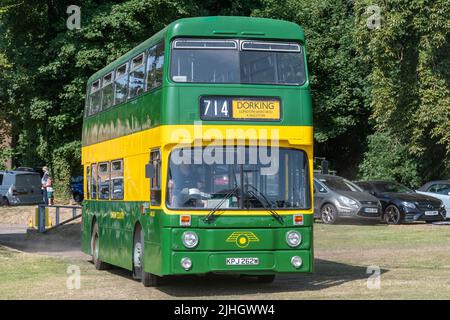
{"x":409,"y":80}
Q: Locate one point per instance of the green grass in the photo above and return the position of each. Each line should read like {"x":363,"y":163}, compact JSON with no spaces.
{"x":414,"y":259}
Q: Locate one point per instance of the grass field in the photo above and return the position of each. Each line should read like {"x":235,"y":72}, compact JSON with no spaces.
{"x":414,"y":262}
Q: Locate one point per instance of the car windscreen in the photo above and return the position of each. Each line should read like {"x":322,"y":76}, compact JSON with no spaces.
{"x":340,"y":184}
{"x":392,"y":187}
{"x":237,"y":61}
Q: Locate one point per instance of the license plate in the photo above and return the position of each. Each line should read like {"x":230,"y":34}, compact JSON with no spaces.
{"x":371,"y":210}
{"x":251,"y":109}
{"x":431,"y":213}
{"x":242,"y":261}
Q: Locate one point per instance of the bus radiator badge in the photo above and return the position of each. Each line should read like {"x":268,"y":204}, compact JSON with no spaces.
{"x":242,"y":239}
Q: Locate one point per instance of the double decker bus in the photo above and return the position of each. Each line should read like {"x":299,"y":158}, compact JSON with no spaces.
{"x":198,"y":150}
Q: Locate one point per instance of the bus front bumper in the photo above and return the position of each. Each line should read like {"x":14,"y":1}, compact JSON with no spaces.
{"x":248,"y":262}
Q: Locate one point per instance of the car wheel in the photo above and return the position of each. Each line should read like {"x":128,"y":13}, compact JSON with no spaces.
{"x":95,"y":249}
{"x":392,"y":215}
{"x":147,"y":279}
{"x":328,"y":214}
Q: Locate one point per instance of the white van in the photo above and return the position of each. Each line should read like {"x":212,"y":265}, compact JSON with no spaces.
{"x":20,"y":187}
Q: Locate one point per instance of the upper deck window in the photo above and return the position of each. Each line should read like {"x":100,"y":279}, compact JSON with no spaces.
{"x":237,"y":61}
{"x":121,"y":84}
{"x":137,"y":76}
{"x":155,"y":61}
{"x":108,"y":91}
{"x":95,"y":97}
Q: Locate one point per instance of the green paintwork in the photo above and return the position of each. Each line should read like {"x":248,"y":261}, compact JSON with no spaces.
{"x":164,"y":248}
{"x":148,"y":110}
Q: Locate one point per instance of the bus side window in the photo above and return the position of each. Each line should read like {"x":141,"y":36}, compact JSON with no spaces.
{"x":137,"y":76}
{"x":108,"y":91}
{"x":117,"y":185}
{"x":94,"y":181}
{"x":155,"y":63}
{"x":155,"y":182}
{"x":103,"y":181}
{"x":95,"y":98}
{"x":121,"y":84}
{"x":88,"y":182}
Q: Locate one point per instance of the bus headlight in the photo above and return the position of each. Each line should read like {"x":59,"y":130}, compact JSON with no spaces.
{"x":293,"y":238}
{"x":296,"y":262}
{"x":189,"y":239}
{"x":186,"y":263}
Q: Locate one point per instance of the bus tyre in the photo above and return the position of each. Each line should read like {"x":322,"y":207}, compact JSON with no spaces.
{"x":266,"y":278}
{"x":147,"y":279}
{"x":392,"y":215}
{"x":95,"y":249}
{"x":328,"y":214}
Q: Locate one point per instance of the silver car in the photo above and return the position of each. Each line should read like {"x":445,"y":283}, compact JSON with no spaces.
{"x":20,"y":187}
{"x":336,"y":198}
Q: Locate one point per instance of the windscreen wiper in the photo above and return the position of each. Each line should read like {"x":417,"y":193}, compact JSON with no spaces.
{"x":267,"y":204}
{"x":210,"y":215}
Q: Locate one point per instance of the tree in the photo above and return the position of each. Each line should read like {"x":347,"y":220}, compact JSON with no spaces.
{"x":409,"y":80}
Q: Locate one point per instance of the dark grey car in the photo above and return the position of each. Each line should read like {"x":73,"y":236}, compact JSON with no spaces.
{"x":20,"y":187}
{"x":336,"y":197}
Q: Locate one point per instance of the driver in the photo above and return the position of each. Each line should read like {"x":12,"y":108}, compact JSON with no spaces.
{"x":185,"y":187}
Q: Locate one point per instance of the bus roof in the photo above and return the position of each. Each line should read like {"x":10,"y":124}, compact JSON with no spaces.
{"x":217,"y":26}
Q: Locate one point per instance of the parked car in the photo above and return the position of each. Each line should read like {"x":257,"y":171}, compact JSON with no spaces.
{"x":438,"y":189}
{"x":20,"y":187}
{"x":336,"y":197}
{"x":76,"y":185}
{"x":401,"y":204}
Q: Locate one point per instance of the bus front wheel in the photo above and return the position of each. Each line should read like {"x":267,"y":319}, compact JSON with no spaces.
{"x":95,"y":249}
{"x":147,"y":279}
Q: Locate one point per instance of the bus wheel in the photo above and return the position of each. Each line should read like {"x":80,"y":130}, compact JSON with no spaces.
{"x":328,"y":214}
{"x":147,"y":279}
{"x":266,"y":278}
{"x":95,"y":248}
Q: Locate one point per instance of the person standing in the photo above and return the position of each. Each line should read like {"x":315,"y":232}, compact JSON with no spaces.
{"x":44,"y":184}
{"x":50,"y":191}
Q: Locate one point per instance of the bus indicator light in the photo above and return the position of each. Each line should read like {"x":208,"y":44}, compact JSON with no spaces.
{"x":185,"y":221}
{"x":298,"y":219}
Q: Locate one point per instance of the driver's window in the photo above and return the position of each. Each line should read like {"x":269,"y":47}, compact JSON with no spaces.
{"x":155,"y":182}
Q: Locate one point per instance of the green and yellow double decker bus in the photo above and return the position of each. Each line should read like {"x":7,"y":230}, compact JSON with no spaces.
{"x":197,"y":153}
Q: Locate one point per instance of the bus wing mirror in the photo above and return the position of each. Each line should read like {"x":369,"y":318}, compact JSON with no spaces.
{"x":149,"y":171}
